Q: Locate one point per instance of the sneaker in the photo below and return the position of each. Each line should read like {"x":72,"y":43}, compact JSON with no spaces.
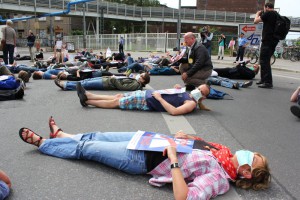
{"x":247,"y":84}
{"x":236,"y":86}
{"x":295,"y":110}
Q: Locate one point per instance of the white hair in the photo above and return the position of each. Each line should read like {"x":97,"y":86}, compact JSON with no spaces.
{"x":9,"y":22}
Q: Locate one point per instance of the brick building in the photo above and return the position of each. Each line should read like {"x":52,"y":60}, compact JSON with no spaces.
{"x":248,"y":6}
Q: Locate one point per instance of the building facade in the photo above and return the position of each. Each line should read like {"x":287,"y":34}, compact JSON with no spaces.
{"x":248,"y":6}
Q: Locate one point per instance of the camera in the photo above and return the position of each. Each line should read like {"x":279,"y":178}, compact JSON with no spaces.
{"x":261,"y":13}
{"x":204,"y":30}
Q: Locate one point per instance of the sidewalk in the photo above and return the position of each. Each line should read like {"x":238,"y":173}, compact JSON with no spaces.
{"x":280,"y":64}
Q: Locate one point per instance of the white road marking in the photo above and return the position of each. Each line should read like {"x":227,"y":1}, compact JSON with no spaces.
{"x":176,"y":123}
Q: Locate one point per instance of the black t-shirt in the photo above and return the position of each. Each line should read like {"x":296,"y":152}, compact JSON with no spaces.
{"x":269,"y":20}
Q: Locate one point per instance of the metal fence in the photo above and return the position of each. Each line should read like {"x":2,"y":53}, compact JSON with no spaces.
{"x":133,"y":42}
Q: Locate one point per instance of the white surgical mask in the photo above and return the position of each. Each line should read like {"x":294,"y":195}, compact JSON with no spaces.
{"x":244,"y":157}
{"x":137,"y":77}
{"x":196,"y":94}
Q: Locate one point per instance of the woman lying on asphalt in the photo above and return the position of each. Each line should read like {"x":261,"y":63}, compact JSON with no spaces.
{"x":202,"y":174}
{"x":148,"y":100}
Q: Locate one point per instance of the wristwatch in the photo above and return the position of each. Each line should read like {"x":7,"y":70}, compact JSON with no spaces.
{"x":175,"y":165}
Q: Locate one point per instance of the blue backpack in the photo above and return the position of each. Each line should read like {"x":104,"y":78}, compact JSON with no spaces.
{"x":8,"y":83}
{"x":10,"y":88}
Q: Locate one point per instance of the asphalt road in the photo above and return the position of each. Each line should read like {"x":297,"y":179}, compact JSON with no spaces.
{"x":257,"y":119}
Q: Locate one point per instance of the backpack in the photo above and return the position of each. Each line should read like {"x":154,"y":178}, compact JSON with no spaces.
{"x":282,"y":27}
{"x":10,"y":88}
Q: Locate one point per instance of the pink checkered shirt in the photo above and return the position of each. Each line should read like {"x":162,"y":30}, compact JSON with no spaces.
{"x":200,"y":169}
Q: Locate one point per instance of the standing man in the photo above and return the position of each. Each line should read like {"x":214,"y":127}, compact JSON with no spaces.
{"x":30,"y":43}
{"x":242,"y":42}
{"x":121,"y":44}
{"x":269,"y":43}
{"x":206,"y":37}
{"x":9,"y":35}
{"x":199,"y":66}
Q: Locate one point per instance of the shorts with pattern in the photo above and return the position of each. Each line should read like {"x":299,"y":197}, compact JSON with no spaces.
{"x":134,"y":101}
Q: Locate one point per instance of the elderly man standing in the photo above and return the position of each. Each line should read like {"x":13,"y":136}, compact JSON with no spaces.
{"x":9,"y":35}
{"x":199,"y":66}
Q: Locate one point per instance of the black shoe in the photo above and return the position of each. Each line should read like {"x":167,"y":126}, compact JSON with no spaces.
{"x":259,"y":82}
{"x":266,"y":85}
{"x":247,"y":84}
{"x":81,"y":94}
{"x":295,"y":110}
{"x":189,"y":87}
{"x":57,"y":82}
{"x":236,"y":86}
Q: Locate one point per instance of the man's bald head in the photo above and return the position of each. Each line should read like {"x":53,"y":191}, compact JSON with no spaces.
{"x":189,"y":38}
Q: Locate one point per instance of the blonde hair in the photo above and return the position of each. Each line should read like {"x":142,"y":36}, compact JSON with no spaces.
{"x":261,"y":177}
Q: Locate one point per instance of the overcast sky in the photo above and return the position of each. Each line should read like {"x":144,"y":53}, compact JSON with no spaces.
{"x":286,"y":7}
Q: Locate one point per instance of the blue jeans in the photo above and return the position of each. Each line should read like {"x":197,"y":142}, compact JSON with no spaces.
{"x":21,"y":67}
{"x":163,"y":71}
{"x":135,"y":67}
{"x":108,"y":148}
{"x":224,"y":82}
{"x":88,"y":84}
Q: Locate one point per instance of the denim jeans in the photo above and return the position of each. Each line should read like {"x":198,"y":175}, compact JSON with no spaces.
{"x":108,"y":148}
{"x":135,"y":67}
{"x":224,"y":82}
{"x":88,"y":84}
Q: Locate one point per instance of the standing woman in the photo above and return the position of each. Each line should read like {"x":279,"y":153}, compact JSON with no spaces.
{"x":222,"y":42}
{"x":231,"y":47}
{"x":9,"y":35}
{"x":30,"y":43}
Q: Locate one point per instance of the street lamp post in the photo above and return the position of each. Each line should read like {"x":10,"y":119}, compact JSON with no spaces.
{"x":113,"y":29}
{"x":84,"y":27}
{"x":179,"y":25}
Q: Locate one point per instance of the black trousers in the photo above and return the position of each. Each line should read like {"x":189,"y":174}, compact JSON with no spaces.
{"x":121,"y":48}
{"x":240,"y":53}
{"x":8,"y":54}
{"x":266,"y":51}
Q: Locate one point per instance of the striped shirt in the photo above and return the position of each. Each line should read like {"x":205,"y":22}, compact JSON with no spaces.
{"x":9,"y":34}
{"x":205,"y":177}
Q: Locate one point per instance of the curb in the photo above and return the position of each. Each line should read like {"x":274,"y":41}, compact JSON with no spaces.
{"x":273,"y":68}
